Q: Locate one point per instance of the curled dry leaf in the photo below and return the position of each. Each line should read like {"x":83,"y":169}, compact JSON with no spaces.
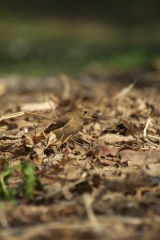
{"x":57,"y":157}
{"x":154,"y":169}
{"x":73,"y":174}
{"x":23,"y":123}
{"x":105,"y":151}
{"x":139,"y":158}
{"x":101,"y":150}
{"x":38,"y":150}
{"x":28,"y":141}
{"x":51,"y":138}
{"x":113,"y":138}
{"x":23,"y":132}
{"x":106,"y":162}
{"x":38,"y":106}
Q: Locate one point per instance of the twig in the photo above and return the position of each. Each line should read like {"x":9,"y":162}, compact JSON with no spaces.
{"x":12,"y":115}
{"x":18,"y":114}
{"x":66,"y":85}
{"x":38,"y":115}
{"x":82,"y":179}
{"x":54,"y":112}
{"x":125,"y":91}
{"x":87,"y":202}
{"x":145,"y":136}
{"x":30,"y":231}
{"x":3,"y":219}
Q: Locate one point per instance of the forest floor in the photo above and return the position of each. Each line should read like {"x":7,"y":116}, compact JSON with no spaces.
{"x":104,"y":183}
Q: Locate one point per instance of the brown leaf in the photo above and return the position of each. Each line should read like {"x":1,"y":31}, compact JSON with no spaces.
{"x":154,"y":169}
{"x":38,"y":106}
{"x":28,"y":141}
{"x":106,"y":162}
{"x":39,"y":150}
{"x":23,"y":123}
{"x":73,"y":174}
{"x":113,"y":138}
{"x":105,"y":151}
{"x":139,"y":158}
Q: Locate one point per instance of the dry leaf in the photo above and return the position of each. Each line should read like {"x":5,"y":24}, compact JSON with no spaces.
{"x":105,"y":151}
{"x":139,"y":158}
{"x":73,"y":174}
{"x":113,"y":138}
{"x":38,"y":106}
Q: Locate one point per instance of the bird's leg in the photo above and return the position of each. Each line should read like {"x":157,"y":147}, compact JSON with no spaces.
{"x":45,"y":136}
{"x":65,"y":141}
{"x":62,"y":142}
{"x":80,"y":144}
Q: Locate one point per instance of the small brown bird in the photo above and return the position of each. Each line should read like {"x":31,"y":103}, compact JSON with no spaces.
{"x":68,"y":125}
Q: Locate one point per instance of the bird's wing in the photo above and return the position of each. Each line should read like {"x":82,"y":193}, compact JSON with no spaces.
{"x":60,"y":123}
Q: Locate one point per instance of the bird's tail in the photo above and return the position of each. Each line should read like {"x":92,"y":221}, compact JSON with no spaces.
{"x":39,"y":137}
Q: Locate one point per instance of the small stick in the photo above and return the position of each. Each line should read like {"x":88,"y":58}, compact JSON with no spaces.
{"x":37,"y":115}
{"x":145,"y":136}
{"x":54,"y":112}
{"x":66,"y":86}
{"x":18,"y":114}
{"x":12,"y":115}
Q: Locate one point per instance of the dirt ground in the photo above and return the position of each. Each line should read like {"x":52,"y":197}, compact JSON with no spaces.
{"x":103,"y":183}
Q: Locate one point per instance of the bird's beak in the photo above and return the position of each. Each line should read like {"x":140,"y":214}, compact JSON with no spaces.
{"x":95,"y":115}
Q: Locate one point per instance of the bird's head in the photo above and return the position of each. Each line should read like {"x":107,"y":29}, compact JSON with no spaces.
{"x":86,"y":114}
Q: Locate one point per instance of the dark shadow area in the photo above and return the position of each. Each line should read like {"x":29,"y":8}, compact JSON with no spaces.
{"x":115,"y":12}
{"x":50,"y":37}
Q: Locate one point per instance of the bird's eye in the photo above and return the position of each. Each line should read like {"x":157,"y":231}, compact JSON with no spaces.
{"x":85,"y":112}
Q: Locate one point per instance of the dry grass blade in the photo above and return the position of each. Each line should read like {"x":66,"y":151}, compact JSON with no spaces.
{"x":125,"y":91}
{"x":146,"y":136}
{"x":66,"y":86}
{"x":12,"y":115}
{"x":52,"y":225}
{"x":18,"y":114}
{"x":87,"y":202}
{"x":38,"y":115}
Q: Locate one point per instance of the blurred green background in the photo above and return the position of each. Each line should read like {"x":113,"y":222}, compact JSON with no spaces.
{"x":41,"y":38}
